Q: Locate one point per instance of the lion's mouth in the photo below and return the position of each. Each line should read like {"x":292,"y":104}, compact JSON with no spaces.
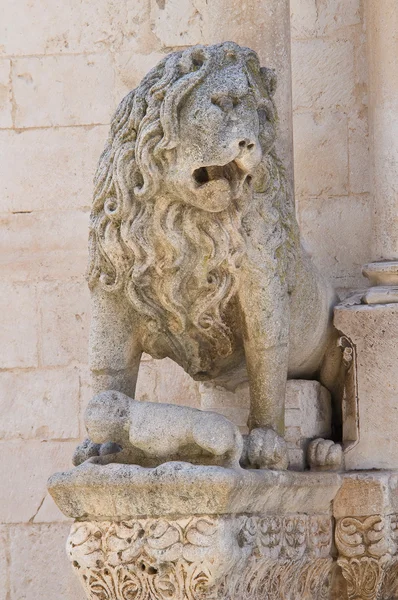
{"x":231,"y":172}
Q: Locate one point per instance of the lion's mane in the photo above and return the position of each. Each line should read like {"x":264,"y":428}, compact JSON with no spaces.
{"x":176,"y":263}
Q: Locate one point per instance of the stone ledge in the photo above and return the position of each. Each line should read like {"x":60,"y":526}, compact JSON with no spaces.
{"x":119,"y":491}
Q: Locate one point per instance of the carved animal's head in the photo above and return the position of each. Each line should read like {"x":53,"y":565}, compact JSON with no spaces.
{"x":218,"y":120}
{"x":187,"y":150}
{"x":197,"y":126}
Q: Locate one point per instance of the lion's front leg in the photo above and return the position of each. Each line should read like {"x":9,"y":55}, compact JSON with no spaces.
{"x":265,"y":315}
{"x":115,"y":351}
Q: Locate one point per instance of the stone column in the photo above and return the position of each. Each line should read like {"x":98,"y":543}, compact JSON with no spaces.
{"x":382,"y":32}
{"x":264,"y":26}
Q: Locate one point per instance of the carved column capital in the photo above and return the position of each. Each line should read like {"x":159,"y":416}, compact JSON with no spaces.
{"x":366,"y":547}
{"x":203,"y":557}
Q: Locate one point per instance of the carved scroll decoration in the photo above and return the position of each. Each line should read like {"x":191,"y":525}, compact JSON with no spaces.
{"x":201,"y":557}
{"x":366,"y":548}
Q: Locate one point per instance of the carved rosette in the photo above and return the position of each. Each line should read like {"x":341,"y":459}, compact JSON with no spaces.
{"x":204,"y":557}
{"x":366,"y":547}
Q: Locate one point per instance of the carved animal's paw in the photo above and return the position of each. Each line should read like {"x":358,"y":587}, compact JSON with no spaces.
{"x":324,"y":455}
{"x":266,"y":450}
{"x":89,"y":449}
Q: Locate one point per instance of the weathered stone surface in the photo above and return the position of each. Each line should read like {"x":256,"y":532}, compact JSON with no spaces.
{"x":117,"y":490}
{"x":206,"y":556}
{"x":350,"y":220}
{"x":4,"y":563}
{"x":27,"y":255}
{"x":153,"y":433}
{"x":323,"y":17}
{"x":74,"y":27}
{"x":165,"y":381}
{"x":21,"y":497}
{"x":358,"y":148}
{"x":366,"y":538}
{"x":20,"y":328}
{"x":40,"y":404}
{"x":33,"y":77}
{"x":332,"y":62}
{"x":38,"y":565}
{"x":181,"y":278}
{"x":325,"y":455}
{"x":180,"y":23}
{"x":48,"y":169}
{"x":130,"y":68}
{"x":308,"y":415}
{"x":5,"y":94}
{"x":382,"y":26}
{"x":373,"y":331}
{"x":64,"y":311}
{"x":322,"y":141}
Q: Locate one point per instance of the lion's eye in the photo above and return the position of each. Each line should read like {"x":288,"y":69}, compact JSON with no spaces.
{"x":225,"y":101}
{"x":262,"y":115}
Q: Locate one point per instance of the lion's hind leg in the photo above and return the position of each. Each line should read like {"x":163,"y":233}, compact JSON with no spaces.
{"x":219,"y":437}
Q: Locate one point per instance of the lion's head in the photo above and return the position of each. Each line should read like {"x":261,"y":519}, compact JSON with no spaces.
{"x":187,"y":151}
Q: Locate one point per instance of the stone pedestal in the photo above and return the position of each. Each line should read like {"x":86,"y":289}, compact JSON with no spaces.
{"x":370,"y":411}
{"x":186,"y":532}
{"x":179,"y":532}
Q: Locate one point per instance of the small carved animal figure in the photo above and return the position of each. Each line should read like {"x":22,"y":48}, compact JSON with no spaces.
{"x":149,"y":433}
{"x":194,"y":246}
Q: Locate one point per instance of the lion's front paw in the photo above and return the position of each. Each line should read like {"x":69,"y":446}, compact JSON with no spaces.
{"x":89,"y":449}
{"x":324,"y":455}
{"x":265,"y":449}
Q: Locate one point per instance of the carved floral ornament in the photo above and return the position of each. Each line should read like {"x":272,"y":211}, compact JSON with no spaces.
{"x":197,"y":557}
{"x":367,"y":556}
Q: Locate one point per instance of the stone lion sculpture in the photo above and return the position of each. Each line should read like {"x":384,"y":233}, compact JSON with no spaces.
{"x":194,"y":245}
{"x":137,"y":430}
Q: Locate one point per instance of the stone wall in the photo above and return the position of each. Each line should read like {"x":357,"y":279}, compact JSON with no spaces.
{"x":63,"y":69}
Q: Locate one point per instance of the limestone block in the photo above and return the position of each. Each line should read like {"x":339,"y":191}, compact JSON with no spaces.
{"x":358,"y":147}
{"x":33,"y":77}
{"x":233,"y":405}
{"x":130,"y":68}
{"x":41,"y":404}
{"x":337,"y":233}
{"x":179,"y":22}
{"x":49,"y":512}
{"x":323,"y":17}
{"x":49,"y":169}
{"x":323,"y":75}
{"x":64,"y":309}
{"x":322,"y":142}
{"x":308,"y":415}
{"x":4,"y":563}
{"x":28,"y":255}
{"x":5,"y":94}
{"x":368,"y":493}
{"x":38,"y":564}
{"x":73,"y":27}
{"x":24,"y":469}
{"x":373,"y":331}
{"x":165,"y":381}
{"x":179,"y":488}
{"x":19,"y":324}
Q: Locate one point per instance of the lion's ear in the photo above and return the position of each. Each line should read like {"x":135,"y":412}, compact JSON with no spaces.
{"x":270,"y":79}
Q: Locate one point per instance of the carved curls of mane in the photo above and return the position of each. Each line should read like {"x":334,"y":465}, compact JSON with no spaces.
{"x":152,"y":247}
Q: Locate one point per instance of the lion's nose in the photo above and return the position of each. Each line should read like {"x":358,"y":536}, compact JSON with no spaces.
{"x":249,"y":153}
{"x":249,"y":144}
